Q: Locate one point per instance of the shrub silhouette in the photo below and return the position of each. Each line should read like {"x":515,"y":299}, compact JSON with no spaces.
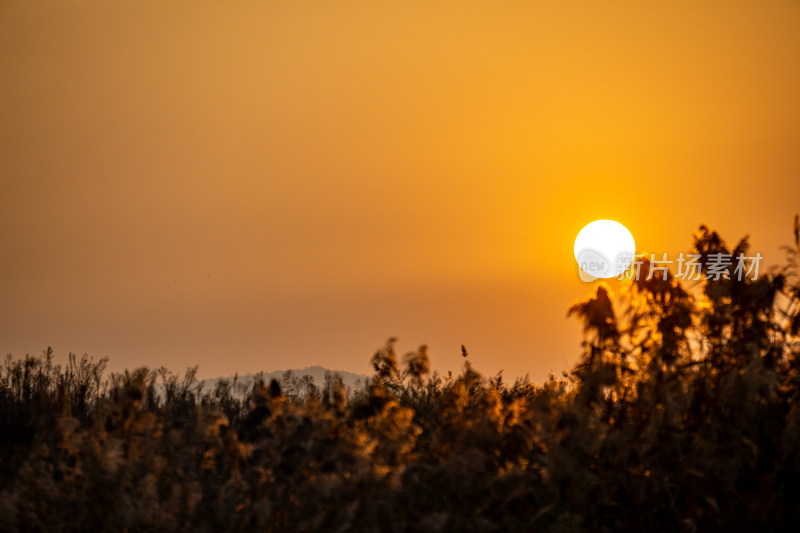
{"x":682,"y":415}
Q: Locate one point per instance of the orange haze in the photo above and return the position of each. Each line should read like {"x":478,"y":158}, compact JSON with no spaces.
{"x":250,"y":185}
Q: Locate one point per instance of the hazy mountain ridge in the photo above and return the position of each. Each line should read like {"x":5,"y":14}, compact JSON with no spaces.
{"x":317,"y":373}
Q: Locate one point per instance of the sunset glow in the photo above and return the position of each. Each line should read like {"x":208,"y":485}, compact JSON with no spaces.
{"x":291,"y":183}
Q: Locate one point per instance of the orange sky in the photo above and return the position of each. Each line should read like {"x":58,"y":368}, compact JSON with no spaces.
{"x":251,"y":185}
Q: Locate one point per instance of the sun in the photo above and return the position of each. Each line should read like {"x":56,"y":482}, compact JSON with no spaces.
{"x":604,"y":248}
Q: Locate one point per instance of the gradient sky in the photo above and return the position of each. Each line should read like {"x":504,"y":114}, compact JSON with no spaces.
{"x":255,"y":185}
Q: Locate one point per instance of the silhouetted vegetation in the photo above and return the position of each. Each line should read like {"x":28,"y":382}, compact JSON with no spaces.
{"x":683,"y":415}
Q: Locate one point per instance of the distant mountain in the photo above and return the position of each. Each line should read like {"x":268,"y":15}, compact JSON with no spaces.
{"x":245,"y":382}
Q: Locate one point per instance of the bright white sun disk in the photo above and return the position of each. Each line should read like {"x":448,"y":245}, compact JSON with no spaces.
{"x":604,"y":248}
